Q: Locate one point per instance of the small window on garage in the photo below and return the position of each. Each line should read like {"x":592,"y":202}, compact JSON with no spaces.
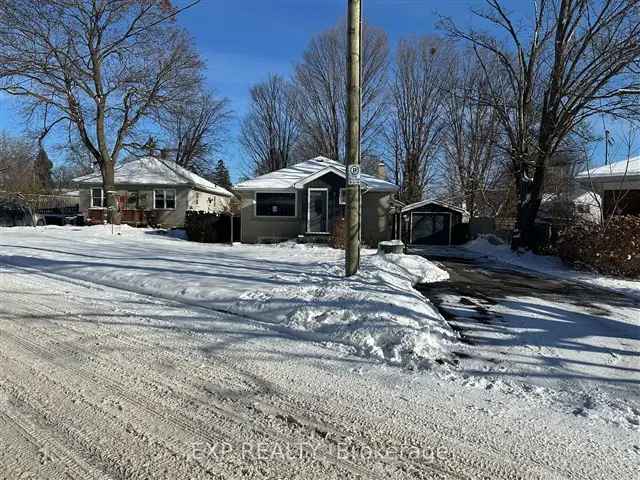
{"x":97,"y":198}
{"x":270,"y":204}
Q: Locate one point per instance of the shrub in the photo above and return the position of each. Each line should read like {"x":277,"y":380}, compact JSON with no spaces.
{"x":207,"y":227}
{"x":612,"y":249}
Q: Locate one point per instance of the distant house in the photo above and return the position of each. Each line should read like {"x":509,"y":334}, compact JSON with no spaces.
{"x":152,"y":191}
{"x":566,"y":206}
{"x":432,"y":222}
{"x":618,"y":184}
{"x":308,"y":199}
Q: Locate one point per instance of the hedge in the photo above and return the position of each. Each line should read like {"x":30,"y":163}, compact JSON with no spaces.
{"x":208,"y":227}
{"x":611,"y":249}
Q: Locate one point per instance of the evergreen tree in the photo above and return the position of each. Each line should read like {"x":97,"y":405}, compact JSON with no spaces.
{"x":220,"y":175}
{"x":42,"y":170}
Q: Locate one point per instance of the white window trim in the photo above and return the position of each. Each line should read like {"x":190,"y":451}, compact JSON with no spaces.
{"x":309,"y":190}
{"x":165,"y":190}
{"x":101,"y":197}
{"x":255,"y":204}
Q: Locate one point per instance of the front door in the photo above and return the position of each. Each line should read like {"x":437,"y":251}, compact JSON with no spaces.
{"x":430,"y":228}
{"x":318,"y":211}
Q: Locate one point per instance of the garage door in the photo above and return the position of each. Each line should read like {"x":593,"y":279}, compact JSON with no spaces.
{"x":430,"y":228}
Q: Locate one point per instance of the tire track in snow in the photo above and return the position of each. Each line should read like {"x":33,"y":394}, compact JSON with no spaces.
{"x":198,"y":430}
{"x":300,"y":419}
{"x":49,"y":450}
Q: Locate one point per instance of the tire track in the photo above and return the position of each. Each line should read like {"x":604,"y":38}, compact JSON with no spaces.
{"x":298,"y":419}
{"x":197,"y":431}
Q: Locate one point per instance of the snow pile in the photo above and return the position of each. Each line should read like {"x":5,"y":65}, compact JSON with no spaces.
{"x":377,"y":312}
{"x":297,"y":290}
{"x":551,"y":266}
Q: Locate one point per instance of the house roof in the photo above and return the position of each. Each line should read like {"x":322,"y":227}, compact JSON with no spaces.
{"x":629,"y":168}
{"x":298,"y":175}
{"x":154,"y":171}
{"x":437,"y":202}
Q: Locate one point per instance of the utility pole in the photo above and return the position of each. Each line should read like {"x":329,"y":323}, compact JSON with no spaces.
{"x":354,"y":102}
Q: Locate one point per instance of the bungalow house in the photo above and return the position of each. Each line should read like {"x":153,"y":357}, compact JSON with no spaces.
{"x":308,"y":199}
{"x":152,"y":191}
{"x":618,"y":184}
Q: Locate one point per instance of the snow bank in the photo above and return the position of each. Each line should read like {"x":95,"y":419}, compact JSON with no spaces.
{"x":295,"y":289}
{"x":377,"y":312}
{"x":551,"y":266}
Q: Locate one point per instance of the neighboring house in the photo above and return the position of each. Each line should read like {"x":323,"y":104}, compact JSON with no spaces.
{"x":152,"y":191}
{"x":432,"y":222}
{"x":308,"y":199}
{"x":618,"y":184}
{"x":567,"y":206}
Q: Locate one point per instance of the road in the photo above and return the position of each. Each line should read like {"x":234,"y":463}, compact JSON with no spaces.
{"x":101,"y":383}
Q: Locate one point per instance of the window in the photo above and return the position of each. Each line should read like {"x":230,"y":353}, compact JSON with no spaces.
{"x":275,"y":204}
{"x":97,"y":198}
{"x":342,"y":197}
{"x":164,"y":199}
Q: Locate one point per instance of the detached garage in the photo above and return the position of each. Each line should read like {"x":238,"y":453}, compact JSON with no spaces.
{"x":432,"y":222}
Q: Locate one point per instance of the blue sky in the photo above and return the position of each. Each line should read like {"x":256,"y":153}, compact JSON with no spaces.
{"x":245,"y":40}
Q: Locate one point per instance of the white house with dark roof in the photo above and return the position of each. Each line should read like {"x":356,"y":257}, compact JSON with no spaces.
{"x":308,"y":199}
{"x":152,"y":191}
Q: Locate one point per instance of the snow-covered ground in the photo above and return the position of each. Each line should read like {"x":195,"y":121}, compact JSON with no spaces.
{"x":551,"y":266}
{"x":298,"y":289}
{"x":113,"y":368}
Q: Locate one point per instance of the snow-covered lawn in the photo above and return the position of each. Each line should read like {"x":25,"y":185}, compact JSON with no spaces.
{"x":299,"y":290}
{"x":552,"y":266}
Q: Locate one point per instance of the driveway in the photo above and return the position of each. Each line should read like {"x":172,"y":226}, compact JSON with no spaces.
{"x":518,"y":325}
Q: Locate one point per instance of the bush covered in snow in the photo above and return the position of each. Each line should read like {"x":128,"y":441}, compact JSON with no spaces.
{"x":612,"y":249}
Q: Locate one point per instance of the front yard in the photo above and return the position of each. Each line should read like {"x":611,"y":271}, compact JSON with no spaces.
{"x":139,"y":355}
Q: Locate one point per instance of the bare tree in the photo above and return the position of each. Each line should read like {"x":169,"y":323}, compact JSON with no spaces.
{"x":269,"y":132}
{"x":196,"y":129}
{"x":470,"y":146}
{"x":321,"y":81}
{"x":575,"y":59}
{"x":416,"y":123}
{"x":101,"y":66}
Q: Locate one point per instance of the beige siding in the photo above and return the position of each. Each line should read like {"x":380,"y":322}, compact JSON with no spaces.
{"x":258,"y":229}
{"x":168,"y":218}
{"x":207,"y":202}
{"x":376,"y":220}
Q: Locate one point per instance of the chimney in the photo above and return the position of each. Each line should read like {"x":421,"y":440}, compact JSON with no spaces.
{"x":381,"y":171}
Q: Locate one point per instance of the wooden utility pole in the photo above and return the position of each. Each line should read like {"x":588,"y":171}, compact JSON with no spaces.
{"x":354,"y":102}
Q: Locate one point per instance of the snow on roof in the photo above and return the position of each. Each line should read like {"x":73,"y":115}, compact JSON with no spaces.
{"x":437,"y":202}
{"x":296,"y":176}
{"x":624,"y":168}
{"x":153,"y":171}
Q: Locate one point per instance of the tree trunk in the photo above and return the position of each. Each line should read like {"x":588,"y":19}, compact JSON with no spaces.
{"x":108,"y":179}
{"x":530,"y":198}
